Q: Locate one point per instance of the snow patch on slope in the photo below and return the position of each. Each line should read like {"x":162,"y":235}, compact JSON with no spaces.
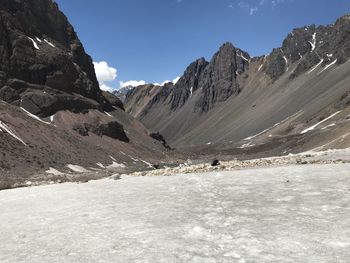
{"x":34,"y":43}
{"x":4,"y":127}
{"x":48,"y":42}
{"x":313,"y":43}
{"x":329,"y":65}
{"x":315,"y":67}
{"x":77,"y":168}
{"x":34,"y":116}
{"x":319,"y":123}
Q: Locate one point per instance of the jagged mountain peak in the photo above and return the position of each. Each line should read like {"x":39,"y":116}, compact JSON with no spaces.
{"x":39,"y":50}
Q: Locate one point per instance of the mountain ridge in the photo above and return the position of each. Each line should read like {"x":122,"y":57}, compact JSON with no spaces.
{"x":182,"y":116}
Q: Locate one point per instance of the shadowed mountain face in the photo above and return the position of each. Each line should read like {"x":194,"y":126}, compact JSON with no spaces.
{"x":39,"y":51}
{"x":52,"y":111}
{"x":264,"y":99}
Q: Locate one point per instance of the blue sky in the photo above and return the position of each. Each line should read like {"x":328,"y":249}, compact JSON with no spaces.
{"x":155,"y":40}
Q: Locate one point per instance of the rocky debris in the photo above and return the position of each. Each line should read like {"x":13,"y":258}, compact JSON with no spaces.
{"x":235,"y":165}
{"x":123,"y":92}
{"x":43,"y":65}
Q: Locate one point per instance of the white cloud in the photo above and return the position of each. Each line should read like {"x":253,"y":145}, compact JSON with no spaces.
{"x":105,"y":73}
{"x":133,"y":83}
{"x":174,"y":81}
{"x":253,"y":10}
{"x":106,"y":88}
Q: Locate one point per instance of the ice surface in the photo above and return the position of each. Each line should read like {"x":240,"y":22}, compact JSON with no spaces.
{"x":286,"y":214}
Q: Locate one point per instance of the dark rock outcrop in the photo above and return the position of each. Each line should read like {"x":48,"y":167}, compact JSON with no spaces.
{"x":111,"y":129}
{"x":159,"y":137}
{"x":42,"y":61}
{"x":219,"y":79}
{"x":113,"y":100}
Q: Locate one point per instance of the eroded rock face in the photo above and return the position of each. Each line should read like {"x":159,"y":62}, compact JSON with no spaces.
{"x":309,"y":46}
{"x":110,"y":129}
{"x":219,"y":79}
{"x":41,"y":53}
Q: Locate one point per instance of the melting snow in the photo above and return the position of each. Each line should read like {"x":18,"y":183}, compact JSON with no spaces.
{"x":247,"y":145}
{"x":319,"y":123}
{"x":250,"y":215}
{"x":286,"y":60}
{"x":34,"y":43}
{"x":113,"y":159}
{"x":53,"y":171}
{"x":244,"y":57}
{"x":191,"y":91}
{"x":328,"y":126}
{"x":313,"y":43}
{"x":4,"y":127}
{"x":108,"y":114}
{"x":252,"y":137}
{"x":147,"y":163}
{"x":260,"y":67}
{"x":329,"y":65}
{"x":329,"y":55}
{"x":77,"y":168}
{"x":48,"y":42}
{"x":116,"y":165}
{"x":34,"y":116}
{"x":315,"y":67}
{"x":100,"y":165}
{"x":38,"y":39}
{"x":51,"y":118}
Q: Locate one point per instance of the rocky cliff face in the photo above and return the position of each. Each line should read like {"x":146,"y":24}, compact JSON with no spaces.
{"x":310,"y":46}
{"x":207,"y":83}
{"x":53,"y":115}
{"x":43,"y":65}
{"x":223,"y":99}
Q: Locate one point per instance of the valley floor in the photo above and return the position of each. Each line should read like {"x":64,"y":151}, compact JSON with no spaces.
{"x":294,"y":213}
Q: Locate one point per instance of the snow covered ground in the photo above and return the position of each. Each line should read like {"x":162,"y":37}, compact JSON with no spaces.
{"x":286,"y":214}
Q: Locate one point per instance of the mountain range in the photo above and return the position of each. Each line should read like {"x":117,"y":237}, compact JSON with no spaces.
{"x":56,"y":122}
{"x":53,"y":116}
{"x":294,"y":99}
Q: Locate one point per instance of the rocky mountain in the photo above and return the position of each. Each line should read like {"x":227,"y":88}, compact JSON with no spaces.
{"x":240,"y":102}
{"x":122,"y":92}
{"x":52,"y":111}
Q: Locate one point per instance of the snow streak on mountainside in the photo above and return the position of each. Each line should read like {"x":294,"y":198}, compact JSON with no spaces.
{"x":52,"y":111}
{"x":235,"y":96}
